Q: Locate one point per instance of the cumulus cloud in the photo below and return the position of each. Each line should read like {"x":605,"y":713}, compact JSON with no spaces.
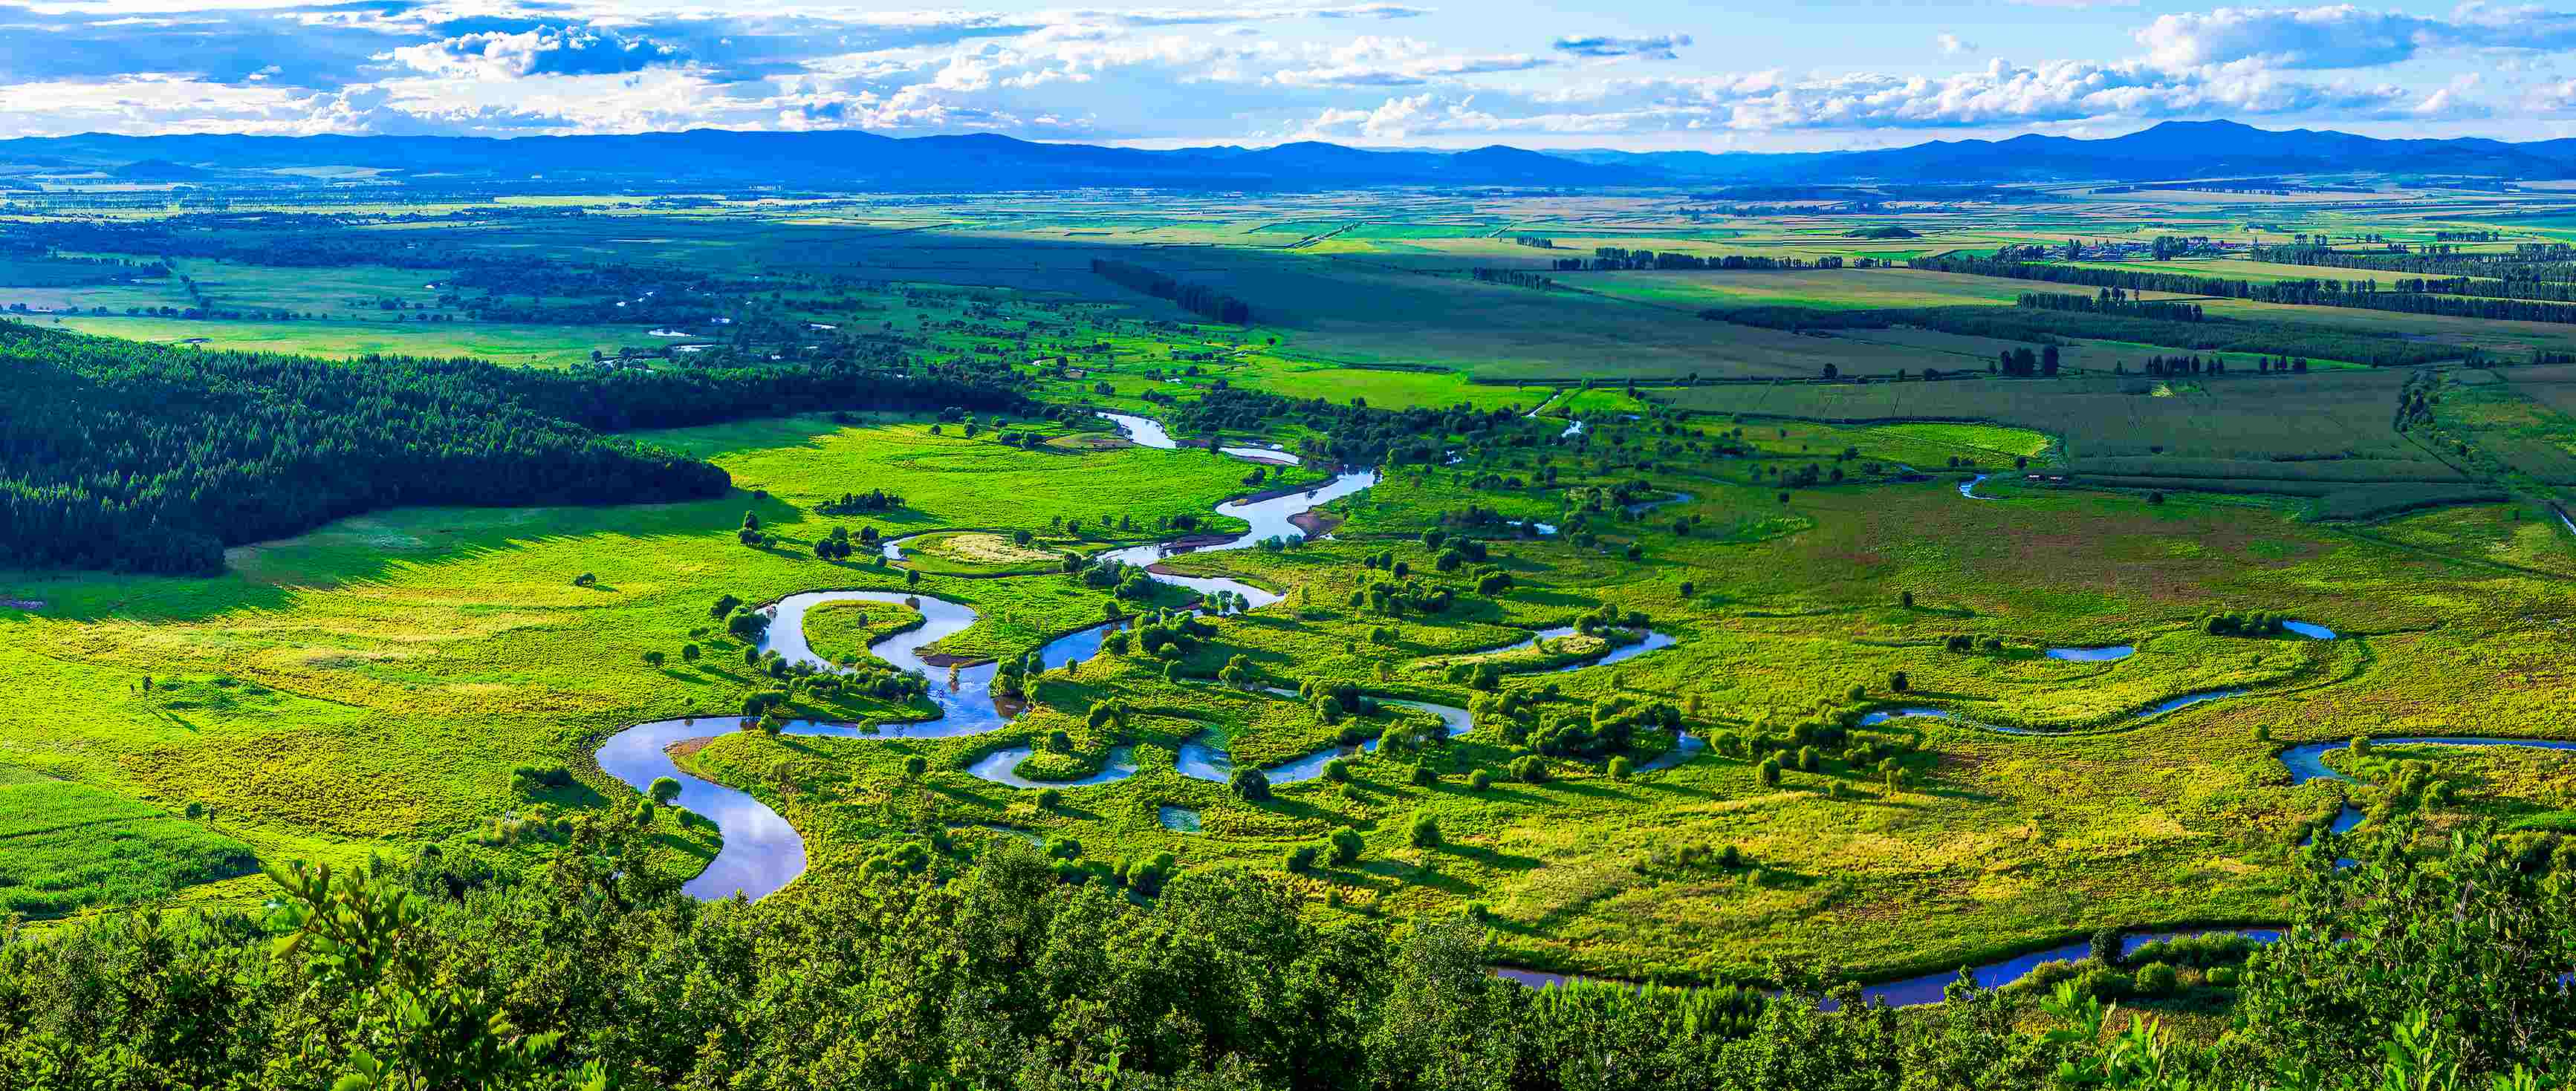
{"x":1659,"y":47}
{"x":544,"y":51}
{"x":2346,"y":36}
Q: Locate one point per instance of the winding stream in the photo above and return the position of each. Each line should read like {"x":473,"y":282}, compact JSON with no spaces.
{"x":2305,"y":763}
{"x":763,"y":852}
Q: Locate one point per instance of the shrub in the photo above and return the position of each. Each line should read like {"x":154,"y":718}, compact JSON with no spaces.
{"x":1248,"y":784}
{"x":2102,"y":983}
{"x":1767,"y":774}
{"x":1898,"y":682}
{"x":2106,"y":946}
{"x":1338,"y":771}
{"x":2222,"y":976}
{"x":1423,"y":777}
{"x":1424,"y":833}
{"x":2156,"y":979}
{"x":915,"y":766}
{"x":1619,"y":768}
{"x":1530,"y":769}
{"x":537,"y":778}
{"x":1048,"y":798}
{"x":1480,"y":780}
{"x":663,"y":790}
{"x":1301,"y":858}
{"x":1343,"y":846}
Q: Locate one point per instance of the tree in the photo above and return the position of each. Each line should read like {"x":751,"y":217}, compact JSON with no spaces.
{"x":1248,"y":784}
{"x":663,"y":790}
{"x":653,"y":659}
{"x":1897,"y":682}
{"x":359,"y":935}
{"x":1344,"y":846}
{"x":1423,"y":832}
{"x":914,"y":766}
{"x":2106,"y":946}
{"x":690,"y":652}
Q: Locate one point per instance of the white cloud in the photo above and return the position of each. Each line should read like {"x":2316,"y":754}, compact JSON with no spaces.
{"x":2346,"y":36}
{"x":1659,"y":47}
{"x":561,"y":51}
{"x":1951,"y":46}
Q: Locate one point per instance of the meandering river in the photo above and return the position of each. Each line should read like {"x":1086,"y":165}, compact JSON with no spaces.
{"x":763,"y":852}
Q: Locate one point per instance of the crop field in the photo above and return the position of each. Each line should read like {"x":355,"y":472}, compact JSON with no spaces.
{"x":1882,"y":676}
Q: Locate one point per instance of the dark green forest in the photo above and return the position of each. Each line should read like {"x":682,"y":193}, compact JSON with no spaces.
{"x":932,"y":966}
{"x":136,"y":457}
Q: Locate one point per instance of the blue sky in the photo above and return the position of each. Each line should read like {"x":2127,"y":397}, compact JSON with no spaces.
{"x":1424,"y":73}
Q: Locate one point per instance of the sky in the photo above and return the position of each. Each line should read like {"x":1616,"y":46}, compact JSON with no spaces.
{"x":1645,"y":75}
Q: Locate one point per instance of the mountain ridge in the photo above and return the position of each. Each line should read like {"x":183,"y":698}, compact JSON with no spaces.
{"x":859,"y":160}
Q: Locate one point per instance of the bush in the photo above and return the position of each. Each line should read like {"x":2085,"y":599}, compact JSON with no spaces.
{"x":1248,"y":784}
{"x":1619,"y":768}
{"x":915,"y":766}
{"x":1423,"y":777}
{"x":2106,"y":946}
{"x":1530,"y":769}
{"x":1767,"y":774}
{"x":2104,"y":983}
{"x":1480,"y":780}
{"x":1338,"y":771}
{"x":1343,"y":846}
{"x":2156,"y":979}
{"x":663,"y":790}
{"x":1424,"y":833}
{"x":530,"y":779}
{"x":2222,"y":976}
{"x":1301,"y":859}
{"x":1048,"y":798}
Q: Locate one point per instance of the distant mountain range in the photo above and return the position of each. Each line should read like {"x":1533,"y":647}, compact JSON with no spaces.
{"x":867,"y":161}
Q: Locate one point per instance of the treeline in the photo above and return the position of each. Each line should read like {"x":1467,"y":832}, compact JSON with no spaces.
{"x":2315,"y":293}
{"x":2535,"y":261}
{"x":925,"y":964}
{"x":1515,"y":277}
{"x":136,"y":457}
{"x":1614,"y":258}
{"x":1198,"y":299}
{"x":2041,"y":326}
{"x":2108,"y":303}
{"x":1353,"y":433}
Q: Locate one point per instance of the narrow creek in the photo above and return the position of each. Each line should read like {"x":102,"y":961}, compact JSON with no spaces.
{"x":762,"y":852}
{"x":2305,"y":763}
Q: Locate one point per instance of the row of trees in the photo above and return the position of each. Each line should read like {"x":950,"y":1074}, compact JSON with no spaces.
{"x":1613,"y":257}
{"x":1198,"y":299}
{"x":2110,"y":301}
{"x":2039,"y":326}
{"x":2427,"y":966}
{"x":2317,"y":293}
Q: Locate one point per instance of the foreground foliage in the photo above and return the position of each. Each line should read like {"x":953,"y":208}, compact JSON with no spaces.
{"x":928,"y":970}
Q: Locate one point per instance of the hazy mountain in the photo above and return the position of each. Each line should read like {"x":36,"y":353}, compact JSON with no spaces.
{"x":863,"y":161}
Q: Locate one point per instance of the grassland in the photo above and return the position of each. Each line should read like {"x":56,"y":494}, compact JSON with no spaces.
{"x":66,"y":847}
